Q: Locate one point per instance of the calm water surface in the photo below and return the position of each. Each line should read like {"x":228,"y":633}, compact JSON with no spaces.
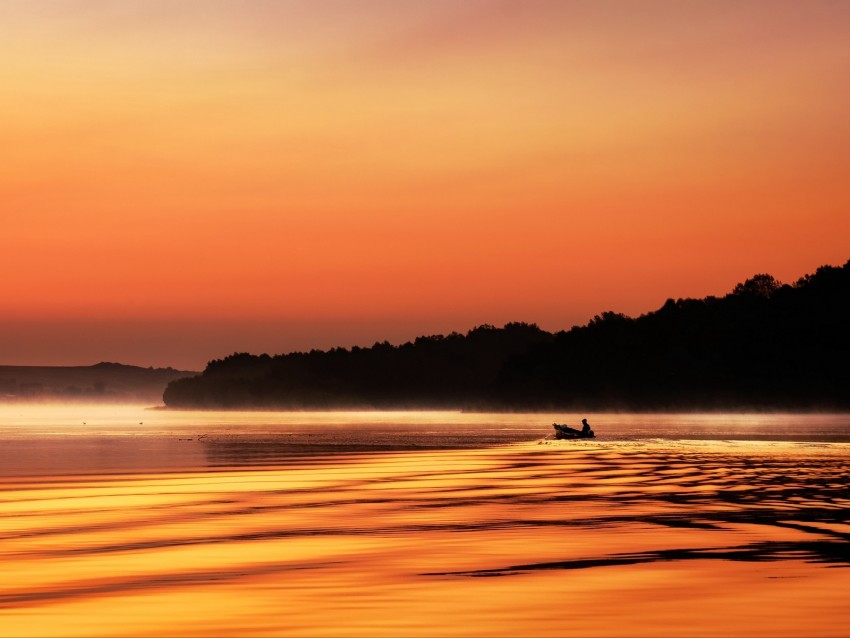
{"x":121,"y":521}
{"x":80,"y":438}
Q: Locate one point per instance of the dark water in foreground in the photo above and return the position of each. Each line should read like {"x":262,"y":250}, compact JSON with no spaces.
{"x":126,"y":522}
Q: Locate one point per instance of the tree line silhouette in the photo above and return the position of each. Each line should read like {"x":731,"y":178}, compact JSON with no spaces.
{"x":764,"y":345}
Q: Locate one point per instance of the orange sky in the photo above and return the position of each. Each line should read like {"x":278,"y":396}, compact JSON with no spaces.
{"x":182,"y":180}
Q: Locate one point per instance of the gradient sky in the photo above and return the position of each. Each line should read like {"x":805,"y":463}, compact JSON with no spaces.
{"x":182,"y":180}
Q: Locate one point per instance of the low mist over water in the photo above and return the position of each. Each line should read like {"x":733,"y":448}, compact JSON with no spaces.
{"x":92,"y":438}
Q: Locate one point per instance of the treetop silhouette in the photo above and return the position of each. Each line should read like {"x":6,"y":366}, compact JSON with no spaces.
{"x":763,"y":345}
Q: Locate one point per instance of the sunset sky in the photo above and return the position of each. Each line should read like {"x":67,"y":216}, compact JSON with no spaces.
{"x":182,"y":180}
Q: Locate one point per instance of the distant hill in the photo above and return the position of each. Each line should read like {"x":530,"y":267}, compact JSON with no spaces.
{"x":107,"y":382}
{"x":764,"y":345}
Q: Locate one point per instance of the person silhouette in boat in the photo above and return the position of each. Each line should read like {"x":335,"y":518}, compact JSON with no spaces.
{"x":585,"y":428}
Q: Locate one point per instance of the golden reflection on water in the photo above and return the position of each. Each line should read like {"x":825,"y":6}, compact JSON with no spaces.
{"x":539,"y":539}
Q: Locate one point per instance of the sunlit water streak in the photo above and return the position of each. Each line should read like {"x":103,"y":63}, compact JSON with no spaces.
{"x":182,"y":523}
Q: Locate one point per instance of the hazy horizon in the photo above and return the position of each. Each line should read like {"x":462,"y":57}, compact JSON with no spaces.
{"x":94,"y":342}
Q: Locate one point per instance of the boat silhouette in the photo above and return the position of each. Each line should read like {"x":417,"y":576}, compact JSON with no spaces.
{"x":566,"y":432}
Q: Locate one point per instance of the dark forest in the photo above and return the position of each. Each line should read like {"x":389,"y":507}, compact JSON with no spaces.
{"x":765,"y":345}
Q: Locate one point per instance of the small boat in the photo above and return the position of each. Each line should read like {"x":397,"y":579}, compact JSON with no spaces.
{"x":566,"y":432}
